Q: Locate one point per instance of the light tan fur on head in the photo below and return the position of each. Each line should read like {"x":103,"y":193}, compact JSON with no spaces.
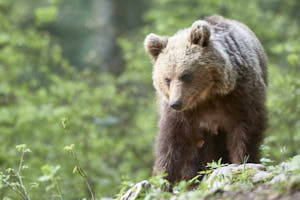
{"x":188,"y":67}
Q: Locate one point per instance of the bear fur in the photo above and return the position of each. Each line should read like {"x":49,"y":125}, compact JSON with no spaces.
{"x":211,"y":82}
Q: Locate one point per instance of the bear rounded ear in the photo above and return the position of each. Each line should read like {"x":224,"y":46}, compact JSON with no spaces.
{"x":200,"y":33}
{"x":154,"y":44}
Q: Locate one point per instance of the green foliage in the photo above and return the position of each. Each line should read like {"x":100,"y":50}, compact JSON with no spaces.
{"x":13,"y":178}
{"x":101,"y":114}
{"x":212,"y":166}
{"x":46,"y":15}
{"x":78,"y":169}
{"x":50,"y":176}
{"x":284,"y":103}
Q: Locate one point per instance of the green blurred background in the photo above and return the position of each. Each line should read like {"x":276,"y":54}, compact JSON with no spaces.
{"x":83,"y":61}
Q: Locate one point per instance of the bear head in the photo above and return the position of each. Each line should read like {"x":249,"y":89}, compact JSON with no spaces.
{"x":189,"y":67}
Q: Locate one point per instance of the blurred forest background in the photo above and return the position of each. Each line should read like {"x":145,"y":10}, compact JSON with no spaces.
{"x":81,"y":64}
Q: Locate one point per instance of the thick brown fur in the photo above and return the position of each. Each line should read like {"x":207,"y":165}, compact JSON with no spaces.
{"x":217,"y":70}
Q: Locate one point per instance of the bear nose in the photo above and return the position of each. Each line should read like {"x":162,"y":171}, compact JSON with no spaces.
{"x":176,"y":104}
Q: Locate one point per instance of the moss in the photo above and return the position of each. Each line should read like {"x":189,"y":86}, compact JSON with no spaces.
{"x":293,"y":184}
{"x":243,"y":174}
{"x":242,"y":178}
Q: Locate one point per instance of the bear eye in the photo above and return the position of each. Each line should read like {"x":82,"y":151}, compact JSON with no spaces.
{"x":168,"y":81}
{"x":186,"y":78}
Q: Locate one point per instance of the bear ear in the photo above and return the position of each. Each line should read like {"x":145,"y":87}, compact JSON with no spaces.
{"x":154,"y":44}
{"x":200,"y":33}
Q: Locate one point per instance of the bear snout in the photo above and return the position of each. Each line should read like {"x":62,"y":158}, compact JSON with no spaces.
{"x":177,"y":105}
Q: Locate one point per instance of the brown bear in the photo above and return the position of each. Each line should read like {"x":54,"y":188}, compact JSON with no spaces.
{"x":211,"y":82}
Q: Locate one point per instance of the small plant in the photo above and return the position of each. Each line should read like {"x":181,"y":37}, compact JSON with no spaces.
{"x":125,"y":185}
{"x":215,"y":165}
{"x":50,"y":175}
{"x":246,"y":158}
{"x":159,"y":188}
{"x":243,"y":177}
{"x":12,"y":178}
{"x":78,"y":169}
{"x":160,"y":181}
{"x":212,"y":166}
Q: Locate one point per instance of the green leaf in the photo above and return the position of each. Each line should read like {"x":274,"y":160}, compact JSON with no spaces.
{"x":20,"y":147}
{"x":69,"y":148}
{"x":75,"y":170}
{"x":46,"y":15}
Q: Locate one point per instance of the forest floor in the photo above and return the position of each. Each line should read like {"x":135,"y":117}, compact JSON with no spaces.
{"x":242,"y":182}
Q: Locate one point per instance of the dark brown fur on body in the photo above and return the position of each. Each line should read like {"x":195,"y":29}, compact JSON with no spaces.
{"x":223,"y":104}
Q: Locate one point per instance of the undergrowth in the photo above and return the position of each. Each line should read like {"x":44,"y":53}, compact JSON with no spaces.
{"x":240,"y":181}
{"x":204,"y":185}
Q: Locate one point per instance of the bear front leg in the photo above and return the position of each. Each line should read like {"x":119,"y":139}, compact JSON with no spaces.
{"x":244,"y":141}
{"x":236,"y":144}
{"x":173,"y":147}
